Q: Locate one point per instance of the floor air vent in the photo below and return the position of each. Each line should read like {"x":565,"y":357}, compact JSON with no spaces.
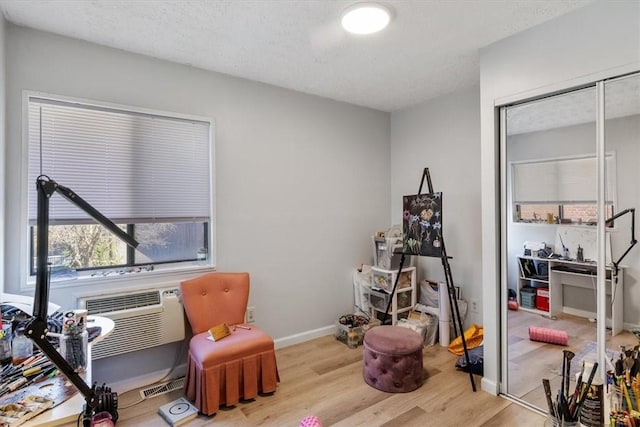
{"x":158,"y":389}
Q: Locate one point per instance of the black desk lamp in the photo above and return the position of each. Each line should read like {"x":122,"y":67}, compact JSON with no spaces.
{"x":96,"y":397}
{"x":633,"y":242}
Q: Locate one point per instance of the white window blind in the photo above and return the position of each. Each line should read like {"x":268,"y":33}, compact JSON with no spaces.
{"x":132,"y":167}
{"x":561,"y":181}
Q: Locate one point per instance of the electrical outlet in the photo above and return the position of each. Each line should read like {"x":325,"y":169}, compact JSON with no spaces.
{"x":473,"y":305}
{"x":250,"y":315}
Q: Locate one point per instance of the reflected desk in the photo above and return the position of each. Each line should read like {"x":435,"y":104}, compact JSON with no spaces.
{"x":568,"y":273}
{"x":67,"y":412}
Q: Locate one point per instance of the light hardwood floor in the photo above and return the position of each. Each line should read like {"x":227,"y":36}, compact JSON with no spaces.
{"x":530,"y":361}
{"x":323,"y":377}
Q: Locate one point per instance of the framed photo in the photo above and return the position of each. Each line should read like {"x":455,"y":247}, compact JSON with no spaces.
{"x":422,"y":224}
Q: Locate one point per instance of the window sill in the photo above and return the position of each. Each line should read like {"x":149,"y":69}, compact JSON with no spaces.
{"x":546,"y":224}
{"x":115,"y":281}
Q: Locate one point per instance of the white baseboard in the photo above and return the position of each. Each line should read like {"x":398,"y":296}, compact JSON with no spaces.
{"x":630,"y":326}
{"x":304,"y":336}
{"x":148,"y":379}
{"x":581,"y":313}
{"x":591,"y":315}
{"x":585,"y":314}
{"x":489,"y":386}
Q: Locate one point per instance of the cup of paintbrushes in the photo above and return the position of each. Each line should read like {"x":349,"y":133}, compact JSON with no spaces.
{"x":554,"y":422}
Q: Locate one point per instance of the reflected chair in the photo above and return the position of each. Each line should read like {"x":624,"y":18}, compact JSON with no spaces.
{"x":236,"y":367}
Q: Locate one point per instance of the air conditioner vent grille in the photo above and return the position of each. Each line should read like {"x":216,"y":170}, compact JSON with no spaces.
{"x":110,"y":304}
{"x":131,"y":334}
{"x":142,"y":319}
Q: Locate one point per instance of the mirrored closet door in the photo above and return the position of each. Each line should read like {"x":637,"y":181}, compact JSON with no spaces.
{"x":563,"y":176}
{"x":621,"y":133}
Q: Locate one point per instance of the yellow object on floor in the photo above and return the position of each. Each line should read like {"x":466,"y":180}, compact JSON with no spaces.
{"x":473,"y":338}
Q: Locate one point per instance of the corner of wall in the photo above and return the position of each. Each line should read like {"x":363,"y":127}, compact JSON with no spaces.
{"x":489,"y":386}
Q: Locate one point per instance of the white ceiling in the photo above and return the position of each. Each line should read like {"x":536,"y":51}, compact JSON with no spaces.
{"x":430,"y":48}
{"x":621,"y":99}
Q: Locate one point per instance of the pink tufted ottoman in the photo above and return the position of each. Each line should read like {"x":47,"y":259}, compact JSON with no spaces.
{"x":393,"y":359}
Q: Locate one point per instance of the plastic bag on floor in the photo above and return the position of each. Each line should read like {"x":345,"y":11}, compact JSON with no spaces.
{"x":428,"y":295}
{"x":361,"y":288}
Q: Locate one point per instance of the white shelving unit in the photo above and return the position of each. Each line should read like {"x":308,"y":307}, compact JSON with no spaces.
{"x":560,"y":273}
{"x":529,"y":277}
{"x":403,"y":300}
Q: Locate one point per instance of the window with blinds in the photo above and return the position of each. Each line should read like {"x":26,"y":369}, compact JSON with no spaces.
{"x":561,"y":190}
{"x":148,"y":173}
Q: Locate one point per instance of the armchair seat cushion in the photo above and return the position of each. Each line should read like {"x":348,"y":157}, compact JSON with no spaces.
{"x":240,"y":343}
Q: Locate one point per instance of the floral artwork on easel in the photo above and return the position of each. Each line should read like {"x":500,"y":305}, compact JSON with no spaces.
{"x":422,"y":224}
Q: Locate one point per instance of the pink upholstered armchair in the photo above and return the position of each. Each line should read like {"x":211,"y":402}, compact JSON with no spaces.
{"x":236,"y":367}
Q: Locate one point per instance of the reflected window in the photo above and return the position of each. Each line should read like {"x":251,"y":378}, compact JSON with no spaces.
{"x":560,"y":191}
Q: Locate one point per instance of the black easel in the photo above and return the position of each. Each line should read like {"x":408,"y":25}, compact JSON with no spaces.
{"x":453,"y":300}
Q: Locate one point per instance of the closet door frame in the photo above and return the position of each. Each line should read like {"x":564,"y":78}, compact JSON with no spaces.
{"x":501,"y":106}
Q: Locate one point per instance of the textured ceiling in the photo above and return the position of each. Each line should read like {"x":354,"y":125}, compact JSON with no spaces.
{"x":430,"y":48}
{"x":621,"y":99}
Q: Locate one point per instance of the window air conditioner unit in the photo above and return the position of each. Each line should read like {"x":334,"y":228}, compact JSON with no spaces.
{"x":143,"y":319}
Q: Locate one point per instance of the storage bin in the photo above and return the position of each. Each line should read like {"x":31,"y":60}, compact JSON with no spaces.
{"x":542,"y":299}
{"x":404,"y":299}
{"x":528,"y":297}
{"x":379,"y":300}
{"x":385,"y":256}
{"x":342,"y":332}
{"x":384,"y":280}
{"x":430,"y":322}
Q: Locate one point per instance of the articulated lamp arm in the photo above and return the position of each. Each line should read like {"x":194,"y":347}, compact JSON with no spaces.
{"x":633,"y":241}
{"x":37,"y":327}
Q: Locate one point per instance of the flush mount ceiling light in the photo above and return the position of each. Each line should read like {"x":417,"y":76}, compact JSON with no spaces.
{"x":366,"y":18}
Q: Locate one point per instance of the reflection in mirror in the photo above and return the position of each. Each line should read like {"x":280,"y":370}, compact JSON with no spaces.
{"x":622,"y":136}
{"x":551,"y":212}
{"x":549,"y":220}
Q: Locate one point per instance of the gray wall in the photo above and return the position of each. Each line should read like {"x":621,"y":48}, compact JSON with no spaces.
{"x":599,"y":40}
{"x":444,"y":136}
{"x":302,"y":182}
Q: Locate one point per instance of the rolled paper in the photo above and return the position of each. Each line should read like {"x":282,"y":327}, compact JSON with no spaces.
{"x":445,"y":315}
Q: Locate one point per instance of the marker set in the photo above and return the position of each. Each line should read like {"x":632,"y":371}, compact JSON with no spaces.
{"x":624,"y":419}
{"x":625,"y":399}
{"x":74,"y":339}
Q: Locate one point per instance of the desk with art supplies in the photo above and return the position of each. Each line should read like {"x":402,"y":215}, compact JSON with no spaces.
{"x":37,"y":385}
{"x":546,"y":280}
{"x":549,"y":278}
{"x":583,"y":275}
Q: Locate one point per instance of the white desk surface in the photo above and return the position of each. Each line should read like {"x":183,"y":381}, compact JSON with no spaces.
{"x":68,"y":411}
{"x":24,"y":303}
